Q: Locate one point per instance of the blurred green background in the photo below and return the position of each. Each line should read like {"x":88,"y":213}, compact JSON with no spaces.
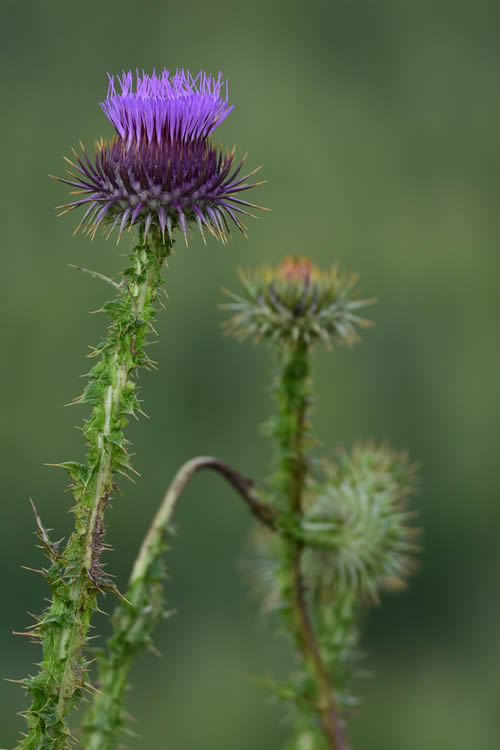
{"x":378,"y":126}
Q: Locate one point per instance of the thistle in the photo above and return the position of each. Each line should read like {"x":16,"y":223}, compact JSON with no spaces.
{"x":342,"y":536}
{"x":297,"y":303}
{"x":160,"y":172}
{"x":329,"y":541}
{"x":338,"y":532}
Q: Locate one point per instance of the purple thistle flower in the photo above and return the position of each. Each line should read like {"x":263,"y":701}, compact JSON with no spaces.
{"x":161,"y":171}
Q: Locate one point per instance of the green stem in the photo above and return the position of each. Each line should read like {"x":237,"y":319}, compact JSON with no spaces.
{"x":291,"y":433}
{"x":76,"y":574}
{"x":137,"y":615}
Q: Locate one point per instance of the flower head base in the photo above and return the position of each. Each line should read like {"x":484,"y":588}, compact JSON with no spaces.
{"x":360,"y":515}
{"x":297,"y":302}
{"x":161,"y":171}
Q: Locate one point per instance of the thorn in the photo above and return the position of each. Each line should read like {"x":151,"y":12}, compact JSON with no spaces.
{"x":120,"y":596}
{"x":77,"y":400}
{"x":124,"y":473}
{"x":34,"y":626}
{"x":90,"y":688}
{"x":96,"y":275}
{"x":42,"y":531}
{"x":72,"y":737}
{"x":33,"y":570}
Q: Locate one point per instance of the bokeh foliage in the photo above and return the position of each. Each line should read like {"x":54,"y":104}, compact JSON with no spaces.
{"x":378,"y":125}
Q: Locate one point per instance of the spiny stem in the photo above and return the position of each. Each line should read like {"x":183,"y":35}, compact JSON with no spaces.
{"x":290,"y":430}
{"x":331,"y":721}
{"x":137,"y":615}
{"x":76,"y":574}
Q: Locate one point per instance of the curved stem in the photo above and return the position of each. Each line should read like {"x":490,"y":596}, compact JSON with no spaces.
{"x":137,"y":615}
{"x":241,"y":484}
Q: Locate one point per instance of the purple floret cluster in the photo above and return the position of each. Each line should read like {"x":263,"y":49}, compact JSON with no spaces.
{"x":161,"y":170}
{"x":166,"y":107}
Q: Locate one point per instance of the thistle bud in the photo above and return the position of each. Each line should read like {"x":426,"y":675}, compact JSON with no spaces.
{"x":362,"y":524}
{"x":296,"y":302}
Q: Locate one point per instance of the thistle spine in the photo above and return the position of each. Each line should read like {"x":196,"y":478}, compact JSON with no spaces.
{"x":76,"y":574}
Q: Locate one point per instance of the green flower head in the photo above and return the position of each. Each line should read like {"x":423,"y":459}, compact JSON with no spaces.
{"x":296,"y":302}
{"x":360,"y":513}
